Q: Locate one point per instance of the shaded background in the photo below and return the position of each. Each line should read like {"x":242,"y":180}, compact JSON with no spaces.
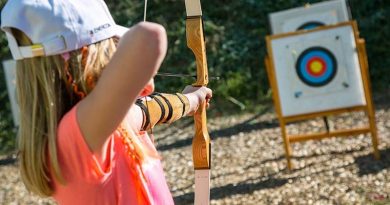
{"x":235,"y":32}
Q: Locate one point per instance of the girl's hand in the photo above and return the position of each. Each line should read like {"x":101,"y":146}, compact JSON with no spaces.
{"x":196,"y":96}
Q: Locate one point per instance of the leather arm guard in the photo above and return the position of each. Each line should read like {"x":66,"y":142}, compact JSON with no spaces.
{"x":162,"y":108}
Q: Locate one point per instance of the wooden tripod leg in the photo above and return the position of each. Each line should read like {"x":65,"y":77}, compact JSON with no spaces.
{"x":286,"y":141}
{"x":367,"y":88}
{"x":271,"y":76}
{"x":374,"y":135}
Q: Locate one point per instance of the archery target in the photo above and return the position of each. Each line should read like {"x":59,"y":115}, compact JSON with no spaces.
{"x":317,"y":71}
{"x":10,"y":77}
{"x":316,"y":66}
{"x":309,"y":17}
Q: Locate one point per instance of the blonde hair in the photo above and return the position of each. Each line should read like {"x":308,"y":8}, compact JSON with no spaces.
{"x":48,"y":87}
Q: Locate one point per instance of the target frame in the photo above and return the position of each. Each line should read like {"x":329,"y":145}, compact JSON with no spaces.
{"x":298,"y":98}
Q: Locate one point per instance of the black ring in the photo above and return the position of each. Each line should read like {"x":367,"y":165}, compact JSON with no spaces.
{"x":303,"y":54}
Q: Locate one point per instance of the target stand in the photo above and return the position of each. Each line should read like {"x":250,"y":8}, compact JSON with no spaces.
{"x":320,"y":73}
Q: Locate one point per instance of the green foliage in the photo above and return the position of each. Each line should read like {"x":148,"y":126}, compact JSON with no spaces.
{"x":374,"y":24}
{"x":235,"y":32}
{"x":7,"y":132}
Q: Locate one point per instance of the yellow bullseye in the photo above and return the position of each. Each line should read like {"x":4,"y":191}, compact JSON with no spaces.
{"x":316,"y":66}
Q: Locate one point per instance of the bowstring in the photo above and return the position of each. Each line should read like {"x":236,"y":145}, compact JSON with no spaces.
{"x":145,"y":8}
{"x":146,"y":100}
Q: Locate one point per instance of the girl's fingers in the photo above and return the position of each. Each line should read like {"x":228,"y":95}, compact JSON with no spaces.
{"x":208,"y":92}
{"x":207,"y":102}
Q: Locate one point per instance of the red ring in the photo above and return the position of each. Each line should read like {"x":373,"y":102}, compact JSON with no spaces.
{"x":322,"y":70}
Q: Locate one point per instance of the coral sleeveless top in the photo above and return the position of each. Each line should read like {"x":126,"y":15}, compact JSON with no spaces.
{"x":118,"y":180}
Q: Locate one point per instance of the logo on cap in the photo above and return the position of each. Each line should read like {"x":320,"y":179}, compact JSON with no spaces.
{"x":99,"y":28}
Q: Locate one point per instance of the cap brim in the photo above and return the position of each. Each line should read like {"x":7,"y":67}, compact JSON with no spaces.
{"x":120,"y":30}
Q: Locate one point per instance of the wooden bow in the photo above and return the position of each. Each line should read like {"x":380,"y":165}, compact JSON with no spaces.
{"x":201,"y":142}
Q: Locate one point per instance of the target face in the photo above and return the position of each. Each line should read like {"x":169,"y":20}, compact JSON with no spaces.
{"x":316,"y":71}
{"x":316,"y":66}
{"x":310,"y":25}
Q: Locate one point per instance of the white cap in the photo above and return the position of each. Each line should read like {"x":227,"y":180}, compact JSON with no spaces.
{"x":57,"y":26}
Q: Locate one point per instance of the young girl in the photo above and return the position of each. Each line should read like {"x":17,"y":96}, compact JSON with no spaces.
{"x":81,"y":82}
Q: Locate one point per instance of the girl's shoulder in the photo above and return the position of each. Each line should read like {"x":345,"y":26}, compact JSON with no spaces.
{"x":68,"y":123}
{"x":74,"y":154}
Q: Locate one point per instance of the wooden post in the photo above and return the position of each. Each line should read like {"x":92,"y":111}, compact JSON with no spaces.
{"x":287,"y":147}
{"x":367,"y":90}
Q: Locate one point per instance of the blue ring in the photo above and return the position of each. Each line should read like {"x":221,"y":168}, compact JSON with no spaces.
{"x":310,"y":25}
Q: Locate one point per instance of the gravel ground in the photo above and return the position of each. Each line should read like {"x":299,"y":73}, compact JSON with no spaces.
{"x":248,"y":164}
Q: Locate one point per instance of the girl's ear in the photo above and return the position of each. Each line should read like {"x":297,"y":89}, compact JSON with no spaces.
{"x":148,"y":89}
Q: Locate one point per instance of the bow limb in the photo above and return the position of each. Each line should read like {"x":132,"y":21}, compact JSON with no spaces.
{"x":201,"y":142}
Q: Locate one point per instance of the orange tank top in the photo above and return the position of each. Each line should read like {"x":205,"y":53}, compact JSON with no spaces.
{"x":120,"y":181}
